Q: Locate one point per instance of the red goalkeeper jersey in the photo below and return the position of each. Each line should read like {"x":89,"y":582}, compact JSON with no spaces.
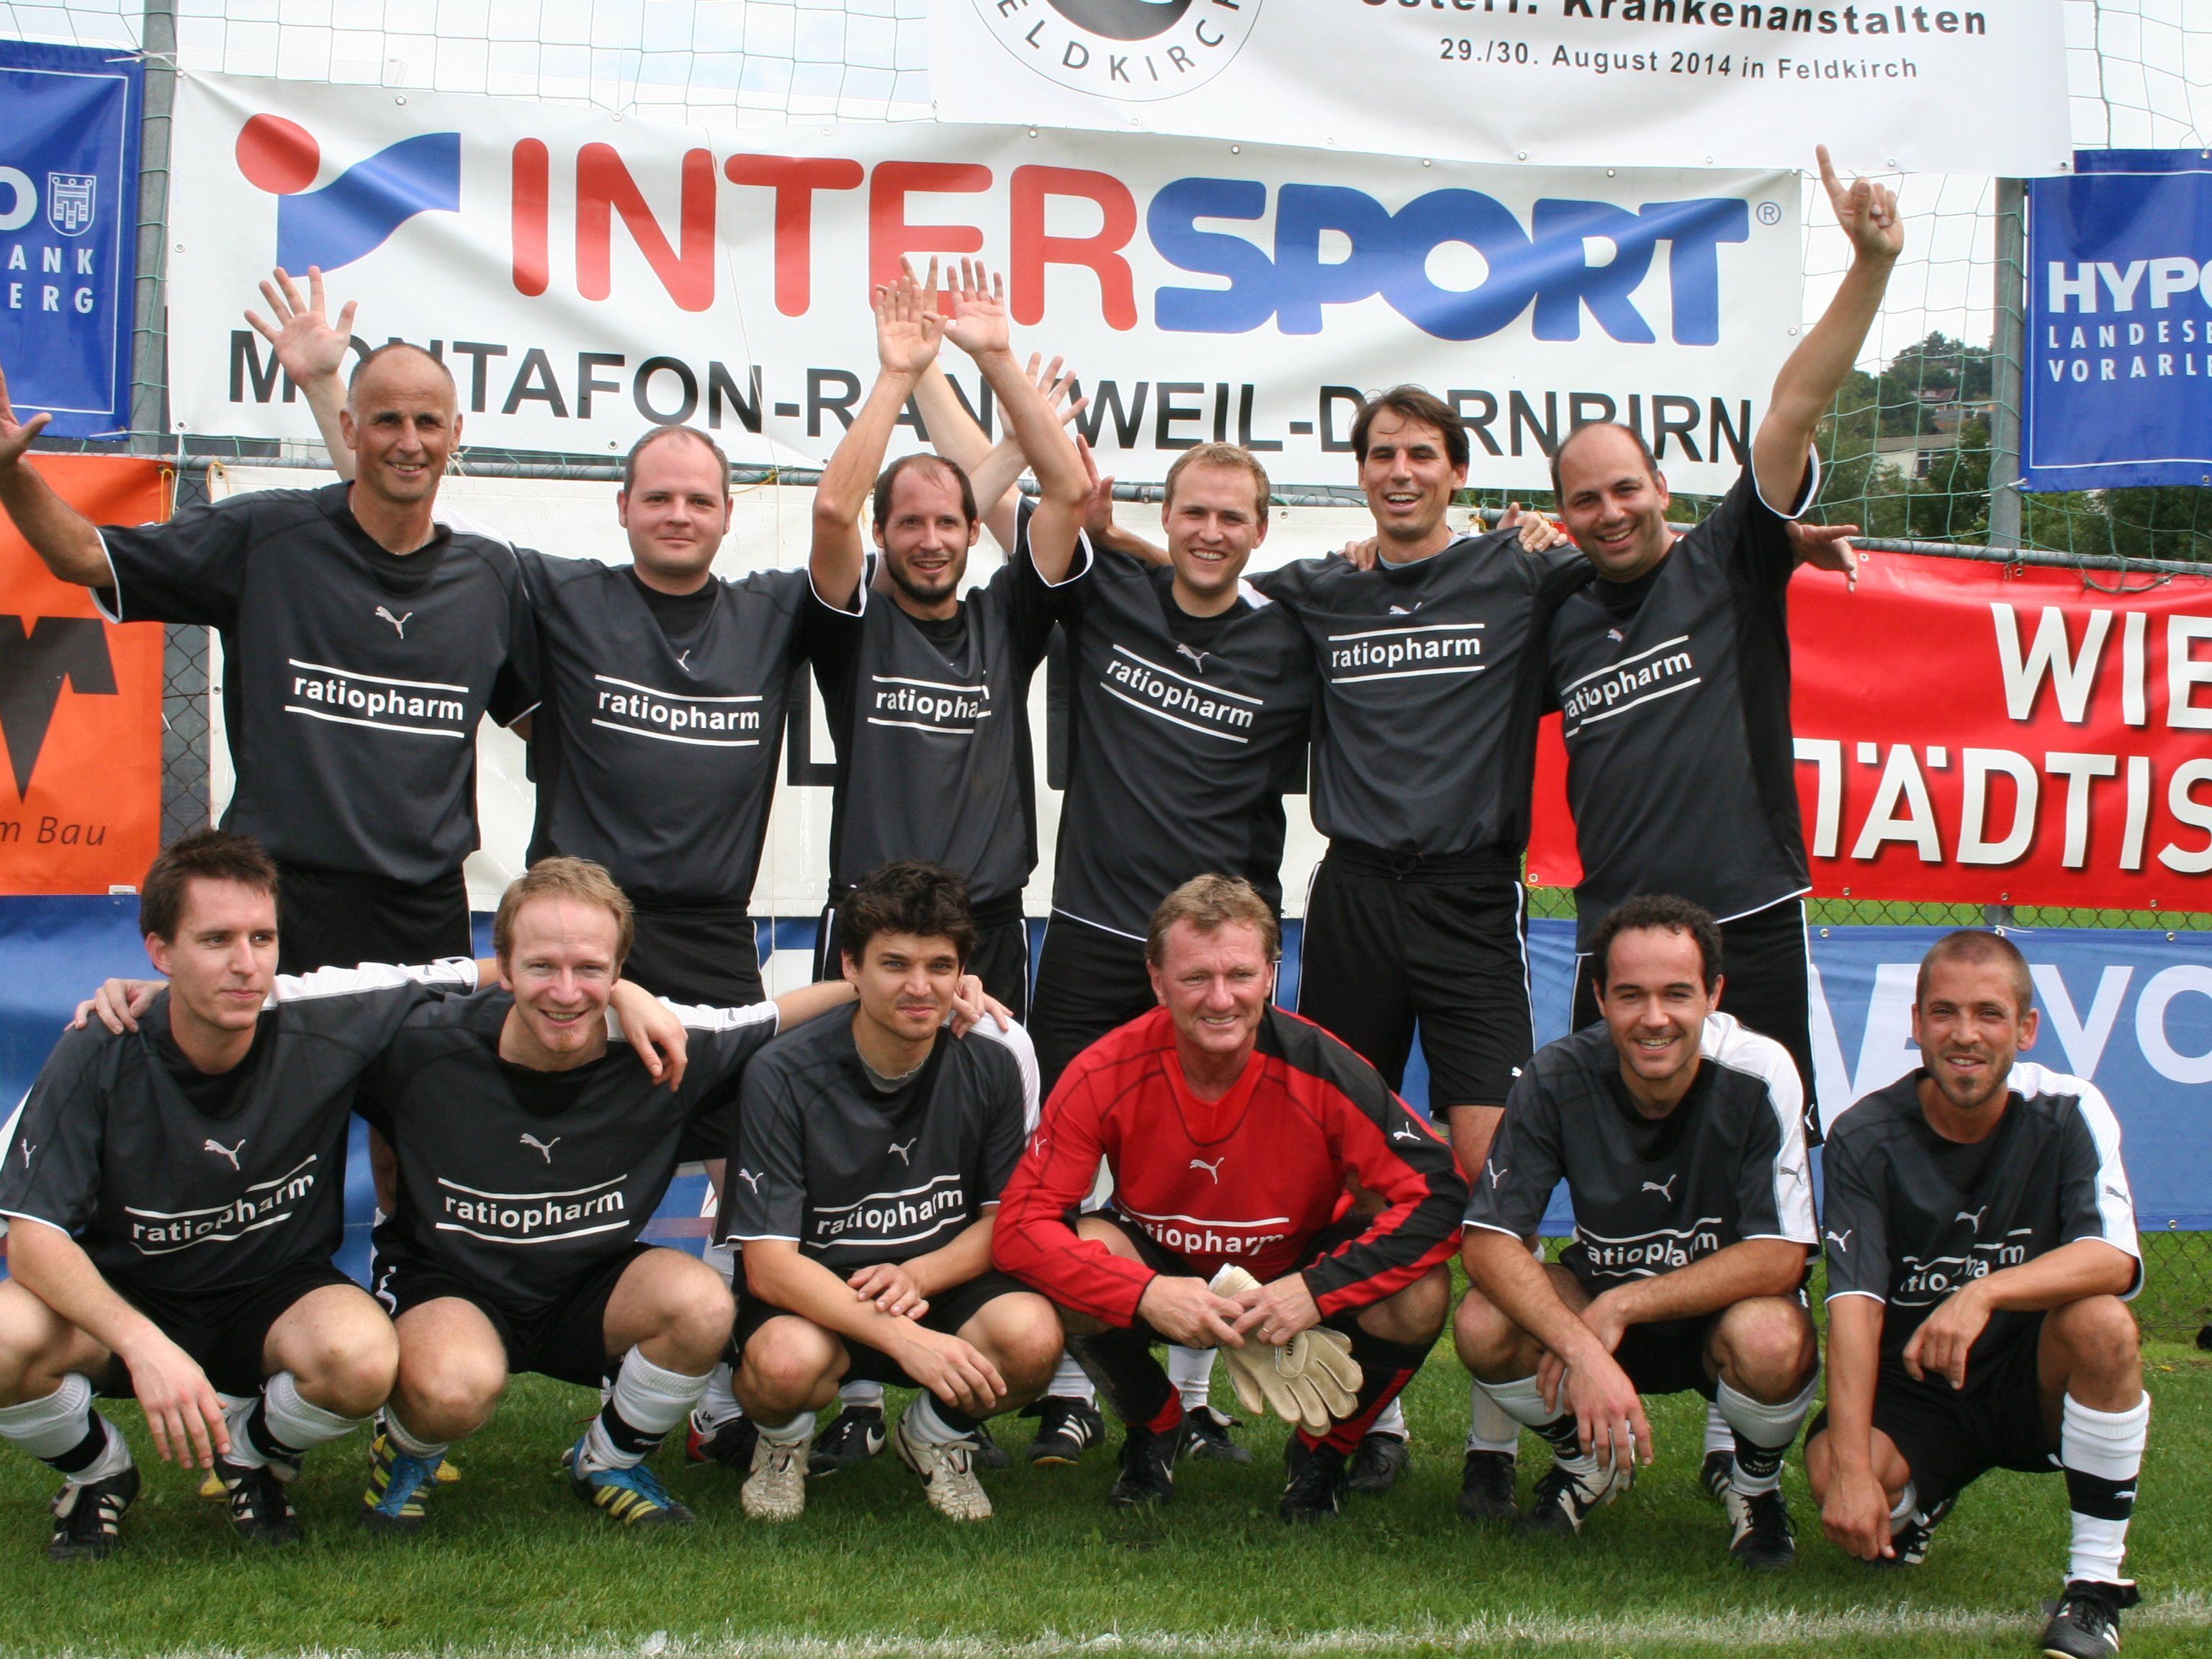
{"x":1249,"y":1178}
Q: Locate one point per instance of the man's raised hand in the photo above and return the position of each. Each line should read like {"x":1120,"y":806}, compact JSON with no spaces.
{"x":978,"y":323}
{"x":1866,"y":211}
{"x":301,"y":335}
{"x":908,"y":326}
{"x":16,"y":436}
{"x":1827,"y":547}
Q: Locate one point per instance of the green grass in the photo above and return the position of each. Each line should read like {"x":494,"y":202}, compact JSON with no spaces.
{"x":510,"y":1562}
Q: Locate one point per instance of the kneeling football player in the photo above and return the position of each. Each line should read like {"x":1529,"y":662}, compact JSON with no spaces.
{"x":863,"y":1189}
{"x":175,"y":1190}
{"x":530,"y":1154}
{"x":1680,"y":1137}
{"x":1981,"y":1239}
{"x":1230,"y":1128}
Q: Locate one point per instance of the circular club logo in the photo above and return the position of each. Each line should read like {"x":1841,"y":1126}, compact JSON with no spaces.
{"x":1133,"y":51}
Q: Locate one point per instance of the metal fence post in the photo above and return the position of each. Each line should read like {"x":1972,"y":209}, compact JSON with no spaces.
{"x":2006,"y":361}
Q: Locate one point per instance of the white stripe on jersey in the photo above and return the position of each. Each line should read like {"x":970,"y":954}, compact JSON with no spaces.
{"x":1017,"y":1041}
{"x":453,"y":971}
{"x":2116,"y":1204}
{"x":694,"y":1017}
{"x":1725,"y":1042}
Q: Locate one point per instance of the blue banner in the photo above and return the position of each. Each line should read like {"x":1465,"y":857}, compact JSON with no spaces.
{"x":2119,"y":323}
{"x":69,"y":233}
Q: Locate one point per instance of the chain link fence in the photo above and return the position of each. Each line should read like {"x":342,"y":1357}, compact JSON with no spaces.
{"x":1919,"y":451}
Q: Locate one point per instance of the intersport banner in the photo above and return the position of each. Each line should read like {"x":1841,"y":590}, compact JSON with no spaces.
{"x":586,"y":275}
{"x":1987,"y":734}
{"x":1949,"y":87}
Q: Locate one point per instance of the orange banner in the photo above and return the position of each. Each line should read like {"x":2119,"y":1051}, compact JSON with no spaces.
{"x":80,"y":704}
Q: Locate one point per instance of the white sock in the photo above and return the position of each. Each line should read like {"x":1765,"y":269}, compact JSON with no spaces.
{"x":864,"y":1395}
{"x":277,"y":1425}
{"x":1760,"y":1434}
{"x":1488,"y":1428}
{"x":924,"y":1423}
{"x":646,"y":1402}
{"x":63,"y":1423}
{"x":1719,"y":1438}
{"x":1523,"y":1402}
{"x":1071,"y":1382}
{"x":797,"y":1433}
{"x":1900,"y":1512}
{"x":1391,"y":1421}
{"x":2102,"y":1454}
{"x":718,"y":1405}
{"x":430,"y":1451}
{"x":1191,"y":1371}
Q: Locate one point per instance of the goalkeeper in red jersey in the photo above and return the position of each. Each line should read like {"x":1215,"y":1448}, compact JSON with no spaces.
{"x":1233,"y":1131}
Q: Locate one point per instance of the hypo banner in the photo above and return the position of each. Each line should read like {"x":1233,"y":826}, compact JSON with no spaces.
{"x":80,"y":704}
{"x":69,"y":233}
{"x":1954,"y":88}
{"x":1973,"y":733}
{"x":2120,"y":322}
{"x":585,"y":276}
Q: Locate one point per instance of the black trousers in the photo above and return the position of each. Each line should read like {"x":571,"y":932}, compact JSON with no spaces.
{"x":334,"y":918}
{"x":706,"y":955}
{"x":1089,"y":981}
{"x":1767,"y":963}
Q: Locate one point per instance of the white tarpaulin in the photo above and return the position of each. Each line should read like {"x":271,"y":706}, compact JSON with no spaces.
{"x":1957,"y":88}
{"x":584,"y":275}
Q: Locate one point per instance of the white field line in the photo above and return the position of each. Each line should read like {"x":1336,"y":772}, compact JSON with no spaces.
{"x":2188,"y":1610}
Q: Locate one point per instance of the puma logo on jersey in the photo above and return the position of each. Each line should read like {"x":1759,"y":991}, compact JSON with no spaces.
{"x":753,"y":1181}
{"x":1973,"y":1216}
{"x":2120,"y":1193}
{"x":1212,"y":1169}
{"x":1842,"y":1240}
{"x":1664,"y":1189}
{"x":221,"y":1151}
{"x":905,"y":1152}
{"x":683,"y":660}
{"x":27,"y":1149}
{"x":399,"y":623}
{"x":1615,"y":636}
{"x":545,"y":1148}
{"x":1197,"y":656}
{"x":1403,"y":611}
{"x":1495,"y":1173}
{"x":1405,"y":1134}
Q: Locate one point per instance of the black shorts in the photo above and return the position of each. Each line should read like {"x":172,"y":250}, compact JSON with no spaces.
{"x":566,"y":1339}
{"x":223,"y":1331}
{"x":1440,"y":943}
{"x":948,"y":1311}
{"x":1950,"y":1437}
{"x":1001,"y":958}
{"x":1162,"y":1260}
{"x":1767,"y":962}
{"x":1090,"y":981}
{"x":705,"y":955}
{"x":334,"y":919}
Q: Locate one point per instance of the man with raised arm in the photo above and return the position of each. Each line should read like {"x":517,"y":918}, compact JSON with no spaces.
{"x":363,"y":642}
{"x":656,"y":748}
{"x":1680,"y":1135}
{"x":1672,"y":666}
{"x":865,"y":1183}
{"x":1230,"y":1130}
{"x":1981,"y":1245}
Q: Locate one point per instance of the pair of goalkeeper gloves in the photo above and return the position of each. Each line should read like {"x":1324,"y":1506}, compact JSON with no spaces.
{"x":1312,"y":1381}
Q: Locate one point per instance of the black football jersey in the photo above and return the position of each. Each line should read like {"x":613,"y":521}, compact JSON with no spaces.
{"x":1908,"y":1216}
{"x":522,"y":1182}
{"x":1674,"y":696}
{"x":354,"y":678}
{"x":1727,"y":1165}
{"x":110,"y":1147}
{"x":855,"y":1176}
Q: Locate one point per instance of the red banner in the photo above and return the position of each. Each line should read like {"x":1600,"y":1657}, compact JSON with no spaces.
{"x":1985,"y":735}
{"x":81,"y":703}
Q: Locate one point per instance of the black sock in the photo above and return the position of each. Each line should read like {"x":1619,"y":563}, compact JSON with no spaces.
{"x":1385,"y":1369}
{"x":1133,"y":1383}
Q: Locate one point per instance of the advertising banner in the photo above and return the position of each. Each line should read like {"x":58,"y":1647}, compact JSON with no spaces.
{"x":2119,"y":323}
{"x":1580,"y":83}
{"x":80,"y":701}
{"x":585,"y":276}
{"x":1985,"y":735}
{"x":69,"y":233}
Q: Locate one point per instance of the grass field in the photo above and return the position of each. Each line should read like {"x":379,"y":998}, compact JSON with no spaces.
{"x":510,"y":1563}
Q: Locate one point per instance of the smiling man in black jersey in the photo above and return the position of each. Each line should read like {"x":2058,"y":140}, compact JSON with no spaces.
{"x":362,"y":641}
{"x":864,"y":1185}
{"x":1680,"y":1135}
{"x":654,"y":750}
{"x":1672,"y":666}
{"x":1981,"y":1243}
{"x":530,"y":1155}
